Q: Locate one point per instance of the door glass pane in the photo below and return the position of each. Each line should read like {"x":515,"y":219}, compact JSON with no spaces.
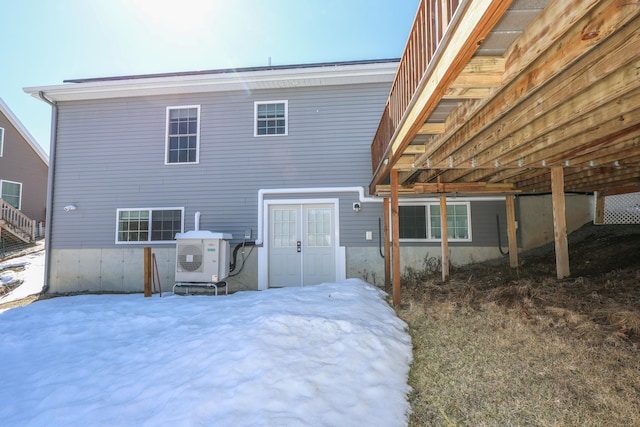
{"x":284,"y":227}
{"x":319,"y":227}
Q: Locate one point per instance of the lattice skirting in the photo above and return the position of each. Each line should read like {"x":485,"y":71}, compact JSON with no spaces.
{"x":622,"y":209}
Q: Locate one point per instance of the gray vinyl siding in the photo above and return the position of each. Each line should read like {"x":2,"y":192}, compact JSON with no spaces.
{"x":110,"y":154}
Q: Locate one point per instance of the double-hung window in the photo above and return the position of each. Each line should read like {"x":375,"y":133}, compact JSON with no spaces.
{"x":183,"y":134}
{"x":271,"y":118}
{"x":1,"y":140}
{"x":149,"y":225}
{"x":422,"y":221}
{"x":11,"y":192}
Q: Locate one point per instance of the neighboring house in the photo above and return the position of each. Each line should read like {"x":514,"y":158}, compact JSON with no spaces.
{"x":278,"y":157}
{"x":23,"y":181}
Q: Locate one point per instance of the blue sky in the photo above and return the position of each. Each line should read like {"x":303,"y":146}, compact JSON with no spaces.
{"x":44,"y":42}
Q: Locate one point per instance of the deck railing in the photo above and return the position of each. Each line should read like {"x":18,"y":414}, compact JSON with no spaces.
{"x":17,"y":220}
{"x":431,"y":22}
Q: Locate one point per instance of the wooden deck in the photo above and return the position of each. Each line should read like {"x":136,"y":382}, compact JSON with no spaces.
{"x":554,"y":109}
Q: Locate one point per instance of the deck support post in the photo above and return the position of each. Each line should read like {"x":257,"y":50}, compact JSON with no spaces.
{"x":599,"y":216}
{"x":387,"y":247}
{"x":511,"y":231}
{"x":444,"y":233}
{"x":395,"y":230}
{"x":559,"y":222}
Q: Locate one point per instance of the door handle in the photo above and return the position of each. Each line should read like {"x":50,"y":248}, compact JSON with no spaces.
{"x":299,"y":246}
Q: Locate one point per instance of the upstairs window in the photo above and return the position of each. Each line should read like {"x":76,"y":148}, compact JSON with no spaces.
{"x":149,"y":225}
{"x":11,"y":192}
{"x":422,"y":222}
{"x":183,"y":134}
{"x":1,"y":140}
{"x":271,"y":118}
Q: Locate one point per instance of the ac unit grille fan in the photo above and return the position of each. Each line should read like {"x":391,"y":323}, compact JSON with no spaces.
{"x":190,"y":258}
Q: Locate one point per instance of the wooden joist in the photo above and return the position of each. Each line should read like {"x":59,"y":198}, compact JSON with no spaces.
{"x":429,"y":129}
{"x":450,"y":188}
{"x":463,"y":188}
{"x":479,"y":132}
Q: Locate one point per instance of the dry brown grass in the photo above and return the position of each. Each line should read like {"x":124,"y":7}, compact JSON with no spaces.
{"x":494,"y":349}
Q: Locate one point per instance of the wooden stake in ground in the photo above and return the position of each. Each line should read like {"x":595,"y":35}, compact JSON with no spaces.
{"x":147,"y":272}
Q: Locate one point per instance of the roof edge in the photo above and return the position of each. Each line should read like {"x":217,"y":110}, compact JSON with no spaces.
{"x":13,"y":119}
{"x":247,"y":79}
{"x":233,"y":70}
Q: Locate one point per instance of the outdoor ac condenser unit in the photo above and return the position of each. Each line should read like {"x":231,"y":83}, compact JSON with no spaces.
{"x":202,"y":256}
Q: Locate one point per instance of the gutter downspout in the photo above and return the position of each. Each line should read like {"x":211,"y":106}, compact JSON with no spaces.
{"x":262,"y":192}
{"x":49,"y":213}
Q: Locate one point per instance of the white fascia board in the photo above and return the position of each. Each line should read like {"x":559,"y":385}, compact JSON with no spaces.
{"x":203,"y":83}
{"x":17,"y":124}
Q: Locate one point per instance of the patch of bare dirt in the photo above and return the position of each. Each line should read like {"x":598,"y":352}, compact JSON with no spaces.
{"x":604,"y":286}
{"x":502,"y":346}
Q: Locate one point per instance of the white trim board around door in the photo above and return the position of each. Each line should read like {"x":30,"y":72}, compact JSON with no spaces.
{"x":263,"y":252}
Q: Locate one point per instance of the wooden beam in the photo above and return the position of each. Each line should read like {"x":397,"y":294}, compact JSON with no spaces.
{"x":511,"y":231}
{"x":463,"y":187}
{"x":385,"y":190}
{"x":444,"y":241}
{"x":477,"y":80}
{"x":559,"y":223}
{"x":387,"y":246}
{"x":430,"y":129}
{"x":467,"y":93}
{"x":405,"y":163}
{"x":620,"y":190}
{"x":582,"y":179}
{"x":395,"y":229}
{"x":414,"y":149}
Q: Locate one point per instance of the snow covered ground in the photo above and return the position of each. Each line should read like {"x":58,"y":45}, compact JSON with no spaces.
{"x":328,"y":355}
{"x":32,"y":276}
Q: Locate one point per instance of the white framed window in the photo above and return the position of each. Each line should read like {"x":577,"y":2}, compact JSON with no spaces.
{"x":183,"y":135}
{"x":148,"y":225}
{"x":271,"y":118}
{"x":1,"y":140}
{"x":421,"y":222}
{"x":11,"y":192}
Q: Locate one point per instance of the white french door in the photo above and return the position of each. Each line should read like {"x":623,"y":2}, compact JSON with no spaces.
{"x":302,"y":247}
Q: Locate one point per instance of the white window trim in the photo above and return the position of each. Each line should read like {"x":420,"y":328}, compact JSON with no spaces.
{"x":13,"y":182}
{"x":255,"y":118}
{"x":1,"y":140}
{"x":166,"y":136}
{"x":428,"y":216}
{"x":144,"y":242}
